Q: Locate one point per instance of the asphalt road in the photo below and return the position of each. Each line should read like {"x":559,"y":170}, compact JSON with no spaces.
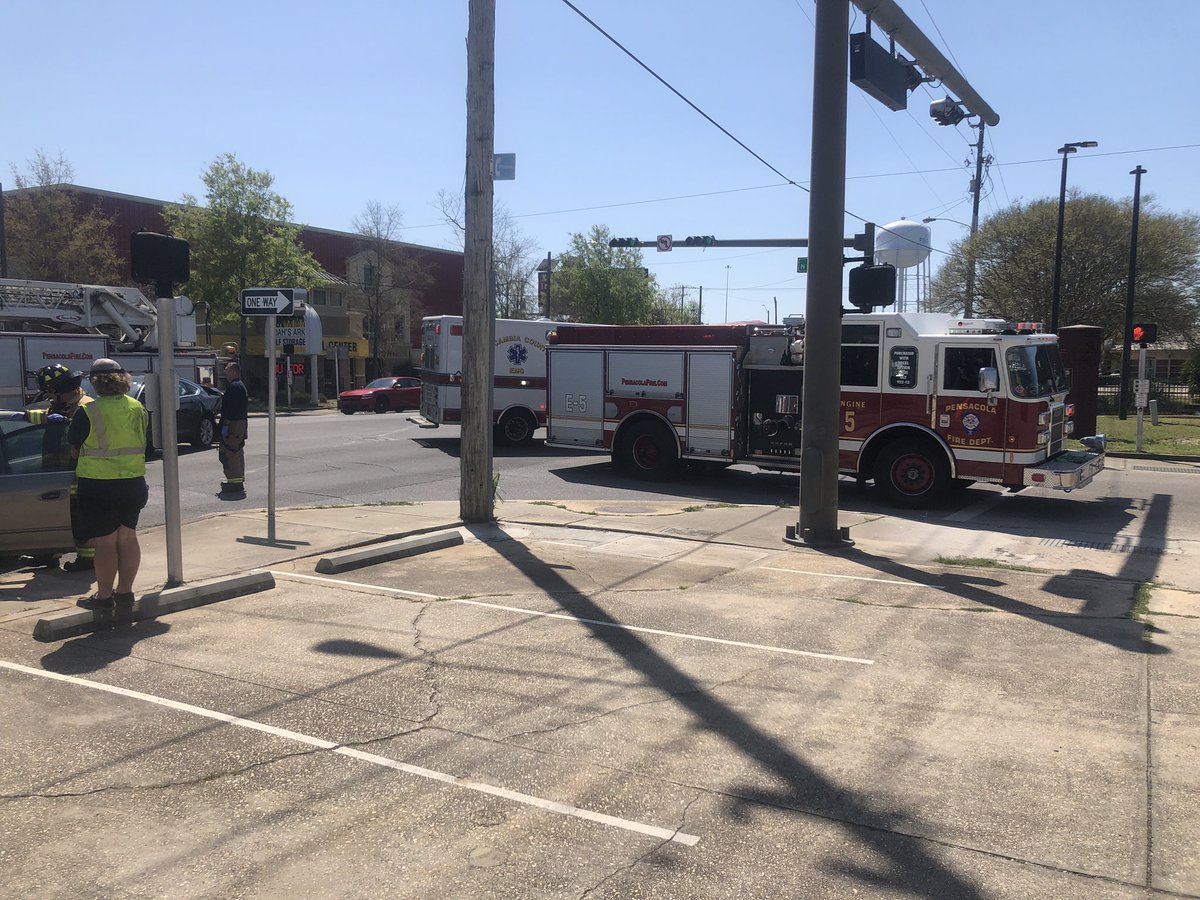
{"x":330,"y":459}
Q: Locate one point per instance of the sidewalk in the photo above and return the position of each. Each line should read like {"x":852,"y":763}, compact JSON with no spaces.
{"x":235,"y":542}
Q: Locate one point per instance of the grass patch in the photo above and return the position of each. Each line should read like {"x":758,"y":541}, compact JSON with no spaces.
{"x":1140,"y":607}
{"x":1175,"y":436}
{"x":710,"y":506}
{"x":978,"y":562}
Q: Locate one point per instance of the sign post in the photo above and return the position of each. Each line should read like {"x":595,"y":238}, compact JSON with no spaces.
{"x":271,"y":303}
{"x":165,"y":261}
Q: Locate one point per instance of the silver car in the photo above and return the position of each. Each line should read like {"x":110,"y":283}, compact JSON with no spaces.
{"x":36,"y":500}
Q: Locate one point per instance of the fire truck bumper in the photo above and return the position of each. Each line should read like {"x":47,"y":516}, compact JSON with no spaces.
{"x":1067,"y":471}
{"x":422,"y":422}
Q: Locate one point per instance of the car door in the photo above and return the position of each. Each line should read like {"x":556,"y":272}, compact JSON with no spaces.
{"x":409,"y":390}
{"x":36,"y":501}
{"x":191,"y":408}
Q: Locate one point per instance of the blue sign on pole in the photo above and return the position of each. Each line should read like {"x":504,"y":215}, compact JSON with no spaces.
{"x":504,"y":166}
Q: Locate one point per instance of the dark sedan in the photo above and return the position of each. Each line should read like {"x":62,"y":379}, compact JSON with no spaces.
{"x":394,"y":394}
{"x":196,"y":415}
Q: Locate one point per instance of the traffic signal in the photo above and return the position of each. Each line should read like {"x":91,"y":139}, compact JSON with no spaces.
{"x":700,"y":240}
{"x":625,"y":242}
{"x":872,"y":286}
{"x":1144,"y":333}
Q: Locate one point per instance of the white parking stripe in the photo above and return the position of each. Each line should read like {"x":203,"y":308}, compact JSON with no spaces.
{"x":569,"y":618}
{"x":554,"y":806}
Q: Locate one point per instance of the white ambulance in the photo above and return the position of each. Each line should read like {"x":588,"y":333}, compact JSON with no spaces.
{"x":519,"y":369}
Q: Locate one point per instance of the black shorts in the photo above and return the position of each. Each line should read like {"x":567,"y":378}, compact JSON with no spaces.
{"x":105,"y":505}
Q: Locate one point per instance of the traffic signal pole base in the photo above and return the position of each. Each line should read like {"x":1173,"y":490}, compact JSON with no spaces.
{"x":807,"y":538}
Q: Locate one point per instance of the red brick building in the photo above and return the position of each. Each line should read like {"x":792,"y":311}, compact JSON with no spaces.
{"x":338,"y":301}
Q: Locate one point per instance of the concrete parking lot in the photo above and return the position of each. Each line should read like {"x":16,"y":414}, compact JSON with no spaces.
{"x":620,"y":701}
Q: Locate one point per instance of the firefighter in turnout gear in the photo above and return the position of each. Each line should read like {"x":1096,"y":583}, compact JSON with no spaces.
{"x":62,"y":386}
{"x":232,"y":452}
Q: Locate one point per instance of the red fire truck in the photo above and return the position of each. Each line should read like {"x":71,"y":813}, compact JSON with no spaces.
{"x":927,"y":401}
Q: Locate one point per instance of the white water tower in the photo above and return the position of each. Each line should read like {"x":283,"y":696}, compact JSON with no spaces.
{"x":906,"y":245}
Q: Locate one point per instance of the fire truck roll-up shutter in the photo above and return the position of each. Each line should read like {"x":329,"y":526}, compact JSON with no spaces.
{"x":710,"y":402}
{"x":576,"y":400}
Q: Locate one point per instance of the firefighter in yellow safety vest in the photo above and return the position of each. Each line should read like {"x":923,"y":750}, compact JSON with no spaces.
{"x":66,"y":395}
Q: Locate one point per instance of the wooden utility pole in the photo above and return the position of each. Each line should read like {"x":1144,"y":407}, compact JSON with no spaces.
{"x":475,"y":493}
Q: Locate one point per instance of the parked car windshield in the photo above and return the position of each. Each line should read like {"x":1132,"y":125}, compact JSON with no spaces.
{"x":1036,"y":370}
{"x":381,"y":383}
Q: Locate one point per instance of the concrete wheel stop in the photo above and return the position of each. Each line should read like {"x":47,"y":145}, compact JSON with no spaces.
{"x":76,"y":621}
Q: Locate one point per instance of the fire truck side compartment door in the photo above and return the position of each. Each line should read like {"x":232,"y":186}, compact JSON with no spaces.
{"x":710,"y":404}
{"x":575,"y":413}
{"x":652,"y":374}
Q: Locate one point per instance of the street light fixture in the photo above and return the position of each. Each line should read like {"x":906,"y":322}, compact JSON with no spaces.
{"x":1056,"y":292}
{"x":943,"y":219}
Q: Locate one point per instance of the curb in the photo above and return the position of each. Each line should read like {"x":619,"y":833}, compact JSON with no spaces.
{"x":72,"y":622}
{"x":377,"y":553}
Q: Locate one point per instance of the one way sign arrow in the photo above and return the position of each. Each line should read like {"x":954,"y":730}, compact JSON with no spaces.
{"x":268,"y":301}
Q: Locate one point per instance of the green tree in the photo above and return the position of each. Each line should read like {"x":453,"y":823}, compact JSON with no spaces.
{"x":593,"y":282}
{"x":1014,"y":254}
{"x":390,"y":278}
{"x":675,"y":306}
{"x":49,"y":237}
{"x":513,"y":256}
{"x":242,"y":237}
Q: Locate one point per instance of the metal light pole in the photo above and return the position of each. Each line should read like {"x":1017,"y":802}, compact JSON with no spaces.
{"x":727,"y":293}
{"x":1127,"y":337}
{"x":1066,"y":150}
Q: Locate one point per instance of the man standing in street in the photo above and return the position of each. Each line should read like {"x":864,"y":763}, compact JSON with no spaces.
{"x":234,"y":411}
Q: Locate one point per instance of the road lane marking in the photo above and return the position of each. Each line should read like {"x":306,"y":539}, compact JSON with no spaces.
{"x":569,"y":618}
{"x":554,"y":806}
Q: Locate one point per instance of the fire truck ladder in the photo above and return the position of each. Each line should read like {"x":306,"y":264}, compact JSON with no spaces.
{"x":123,"y":314}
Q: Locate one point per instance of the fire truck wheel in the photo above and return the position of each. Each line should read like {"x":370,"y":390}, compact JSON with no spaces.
{"x":649,"y":451}
{"x":912,"y":474}
{"x":516,"y":427}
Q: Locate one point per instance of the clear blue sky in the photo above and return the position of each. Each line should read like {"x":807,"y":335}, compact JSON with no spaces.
{"x":357,"y":101}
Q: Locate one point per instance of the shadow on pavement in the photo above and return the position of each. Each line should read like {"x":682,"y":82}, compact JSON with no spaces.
{"x":348,"y":647}
{"x":95,"y":651}
{"x":913,"y":870}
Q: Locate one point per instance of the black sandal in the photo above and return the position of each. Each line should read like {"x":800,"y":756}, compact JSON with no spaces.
{"x":97,"y":604}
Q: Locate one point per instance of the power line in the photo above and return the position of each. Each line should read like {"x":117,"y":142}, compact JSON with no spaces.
{"x":669,"y":87}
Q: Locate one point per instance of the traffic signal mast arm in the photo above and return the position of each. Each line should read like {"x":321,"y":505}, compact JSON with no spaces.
{"x":709,"y":241}
{"x":864,"y":242}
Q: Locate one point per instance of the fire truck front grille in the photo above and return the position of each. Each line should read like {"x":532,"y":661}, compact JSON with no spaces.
{"x":1058,"y":418}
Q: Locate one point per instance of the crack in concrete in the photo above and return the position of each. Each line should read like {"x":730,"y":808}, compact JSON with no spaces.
{"x":642,"y":857}
{"x":431,"y":666}
{"x":213,"y":776}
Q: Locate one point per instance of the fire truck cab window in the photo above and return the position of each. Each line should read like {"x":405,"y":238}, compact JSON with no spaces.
{"x":962,"y":365}
{"x":1035,"y":371}
{"x":860,"y":355}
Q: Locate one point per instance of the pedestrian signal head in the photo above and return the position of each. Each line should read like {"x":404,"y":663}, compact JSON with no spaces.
{"x":1144,"y":333}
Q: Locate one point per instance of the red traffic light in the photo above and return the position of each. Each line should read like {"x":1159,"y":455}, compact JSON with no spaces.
{"x":1144,"y":333}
